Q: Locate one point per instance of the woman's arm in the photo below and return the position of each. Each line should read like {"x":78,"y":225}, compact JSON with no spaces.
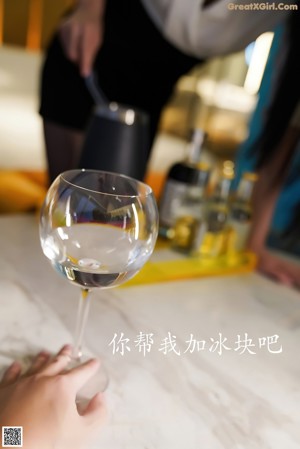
{"x":271,"y":179}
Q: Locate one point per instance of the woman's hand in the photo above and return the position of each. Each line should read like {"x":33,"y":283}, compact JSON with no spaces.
{"x":279,"y":269}
{"x":81,"y":34}
{"x":43,"y":402}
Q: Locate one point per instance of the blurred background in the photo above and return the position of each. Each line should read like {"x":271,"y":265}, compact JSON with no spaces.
{"x":218,"y":96}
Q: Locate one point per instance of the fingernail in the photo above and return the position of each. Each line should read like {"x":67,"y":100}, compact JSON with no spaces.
{"x":43,"y":354}
{"x":62,"y":356}
{"x":66,"y":347}
{"x":15,"y":365}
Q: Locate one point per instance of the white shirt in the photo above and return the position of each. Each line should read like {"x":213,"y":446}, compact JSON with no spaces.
{"x":216,"y":29}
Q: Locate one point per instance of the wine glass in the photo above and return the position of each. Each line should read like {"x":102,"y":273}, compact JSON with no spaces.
{"x":97,"y":229}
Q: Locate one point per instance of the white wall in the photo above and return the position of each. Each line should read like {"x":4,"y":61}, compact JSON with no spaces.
{"x":21,"y":139}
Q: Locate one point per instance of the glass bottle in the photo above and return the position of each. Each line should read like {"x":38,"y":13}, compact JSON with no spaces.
{"x":180,"y":177}
{"x":189,"y":213}
{"x":240,"y":216}
{"x":211,"y":238}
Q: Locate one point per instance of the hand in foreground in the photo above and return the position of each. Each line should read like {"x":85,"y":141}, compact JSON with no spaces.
{"x":43,"y":402}
{"x":81,"y":35}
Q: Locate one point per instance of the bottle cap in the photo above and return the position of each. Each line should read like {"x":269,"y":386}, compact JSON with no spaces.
{"x":203,"y":166}
{"x":228,"y":170}
{"x":250,"y":176}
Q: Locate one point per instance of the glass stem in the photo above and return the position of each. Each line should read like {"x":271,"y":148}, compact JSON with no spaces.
{"x":82,"y":315}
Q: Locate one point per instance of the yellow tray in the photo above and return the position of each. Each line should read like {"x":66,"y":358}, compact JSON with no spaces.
{"x":190,"y":267}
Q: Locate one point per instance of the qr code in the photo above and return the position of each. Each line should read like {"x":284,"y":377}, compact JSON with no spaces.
{"x":12,"y":436}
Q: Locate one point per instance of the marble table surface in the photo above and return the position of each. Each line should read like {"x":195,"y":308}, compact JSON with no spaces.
{"x":206,"y":363}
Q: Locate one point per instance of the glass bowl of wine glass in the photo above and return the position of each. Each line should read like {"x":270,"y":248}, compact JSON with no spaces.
{"x":97,"y":229}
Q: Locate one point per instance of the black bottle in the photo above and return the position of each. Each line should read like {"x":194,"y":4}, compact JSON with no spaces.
{"x":180,"y":176}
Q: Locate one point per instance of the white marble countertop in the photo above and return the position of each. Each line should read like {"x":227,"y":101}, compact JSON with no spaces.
{"x":203,"y":396}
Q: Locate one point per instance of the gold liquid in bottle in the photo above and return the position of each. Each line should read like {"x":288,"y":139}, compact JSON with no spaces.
{"x":214,"y":240}
{"x":211,"y":241}
{"x":240,"y":218}
{"x":184,"y":232}
{"x":190,"y":212}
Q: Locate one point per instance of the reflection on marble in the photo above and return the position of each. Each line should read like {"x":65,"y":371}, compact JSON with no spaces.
{"x":162,"y":401}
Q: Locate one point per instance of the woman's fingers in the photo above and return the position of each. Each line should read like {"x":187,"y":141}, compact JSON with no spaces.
{"x":70,"y":33}
{"x":39,"y":362}
{"x":12,"y":373}
{"x":89,"y":46}
{"x":278,"y":269}
{"x":82,"y":373}
{"x":59,"y":363}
